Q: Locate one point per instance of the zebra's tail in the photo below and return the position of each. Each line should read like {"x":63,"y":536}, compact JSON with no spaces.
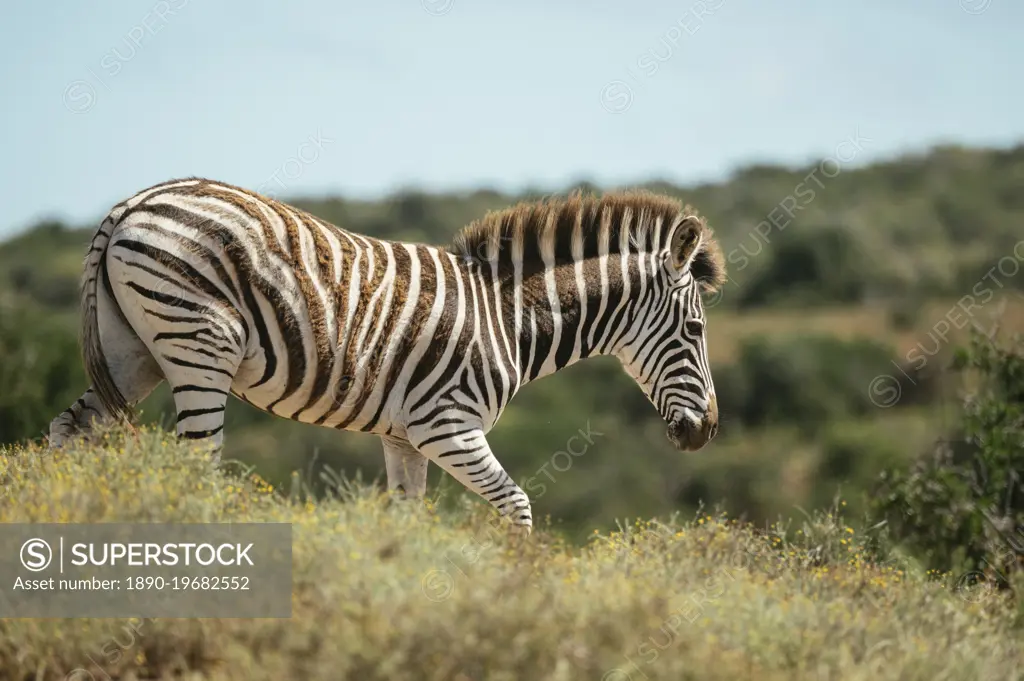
{"x":93,"y":278}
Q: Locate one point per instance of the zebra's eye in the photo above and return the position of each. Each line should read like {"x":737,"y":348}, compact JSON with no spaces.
{"x":695,"y":328}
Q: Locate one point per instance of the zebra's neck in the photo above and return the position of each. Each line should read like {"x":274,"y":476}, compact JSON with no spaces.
{"x":568,"y":313}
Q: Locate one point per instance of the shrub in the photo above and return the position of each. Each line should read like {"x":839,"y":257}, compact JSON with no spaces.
{"x":40,"y":366}
{"x":803,"y":380}
{"x":961,"y":505}
{"x":826,"y":264}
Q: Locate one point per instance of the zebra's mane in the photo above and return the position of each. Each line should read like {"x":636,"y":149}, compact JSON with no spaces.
{"x":553,"y":224}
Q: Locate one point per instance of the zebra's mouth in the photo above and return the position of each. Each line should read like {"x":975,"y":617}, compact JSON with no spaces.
{"x":690,"y":437}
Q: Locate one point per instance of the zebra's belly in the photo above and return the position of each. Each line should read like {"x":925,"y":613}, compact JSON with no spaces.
{"x":337,"y":401}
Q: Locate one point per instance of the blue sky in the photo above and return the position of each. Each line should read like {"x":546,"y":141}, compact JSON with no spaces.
{"x":103,"y":99}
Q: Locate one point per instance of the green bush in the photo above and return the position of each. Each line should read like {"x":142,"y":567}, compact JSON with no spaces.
{"x":961,"y":505}
{"x":40,"y":366}
{"x":801,"y":380}
{"x":825,"y":264}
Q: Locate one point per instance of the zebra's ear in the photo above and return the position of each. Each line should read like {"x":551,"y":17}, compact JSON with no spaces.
{"x":685,"y":242}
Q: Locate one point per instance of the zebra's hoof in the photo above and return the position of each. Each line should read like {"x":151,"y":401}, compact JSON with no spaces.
{"x":520,"y":531}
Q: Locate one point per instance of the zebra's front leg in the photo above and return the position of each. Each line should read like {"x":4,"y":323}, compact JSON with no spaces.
{"x":463,"y":452}
{"x":406,"y":468}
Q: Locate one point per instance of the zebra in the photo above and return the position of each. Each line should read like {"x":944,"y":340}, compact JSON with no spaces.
{"x":221,"y":291}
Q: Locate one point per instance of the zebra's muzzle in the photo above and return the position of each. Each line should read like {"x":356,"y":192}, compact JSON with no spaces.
{"x":692,"y":435}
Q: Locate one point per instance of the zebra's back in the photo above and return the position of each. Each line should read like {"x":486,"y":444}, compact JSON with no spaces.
{"x":312,"y":322}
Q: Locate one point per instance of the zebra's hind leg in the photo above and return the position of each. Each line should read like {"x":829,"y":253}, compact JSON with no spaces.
{"x":200,"y":372}
{"x":200,"y":376}
{"x":200,"y":408}
{"x":197,"y":341}
{"x":77,"y":419}
{"x":406,"y":468}
{"x":132,"y":368}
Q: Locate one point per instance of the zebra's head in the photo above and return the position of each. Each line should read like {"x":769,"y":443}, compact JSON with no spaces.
{"x":666,"y":348}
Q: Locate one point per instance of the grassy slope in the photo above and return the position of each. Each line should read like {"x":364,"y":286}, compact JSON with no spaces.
{"x":396,"y":591}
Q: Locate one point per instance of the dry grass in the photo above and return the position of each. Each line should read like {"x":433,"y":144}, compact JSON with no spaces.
{"x":386,"y":590}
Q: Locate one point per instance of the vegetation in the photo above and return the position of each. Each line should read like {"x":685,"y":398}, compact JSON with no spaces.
{"x":394,"y":590}
{"x":830,"y":345}
{"x":961,"y":506}
{"x":866,"y":279}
